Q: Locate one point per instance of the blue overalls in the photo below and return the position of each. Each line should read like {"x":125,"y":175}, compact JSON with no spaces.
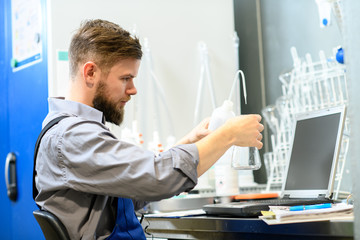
{"x":127,"y":226}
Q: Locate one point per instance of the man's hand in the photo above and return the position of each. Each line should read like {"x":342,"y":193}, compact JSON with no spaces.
{"x":246,"y":130}
{"x":200,"y":131}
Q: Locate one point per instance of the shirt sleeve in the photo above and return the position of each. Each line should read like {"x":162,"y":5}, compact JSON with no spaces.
{"x":138,"y":205}
{"x":90,"y":159}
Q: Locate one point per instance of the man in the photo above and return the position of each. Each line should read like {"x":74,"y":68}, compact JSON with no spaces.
{"x":85,"y":175}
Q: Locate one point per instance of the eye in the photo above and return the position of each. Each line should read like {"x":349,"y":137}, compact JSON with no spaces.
{"x":126,"y":79}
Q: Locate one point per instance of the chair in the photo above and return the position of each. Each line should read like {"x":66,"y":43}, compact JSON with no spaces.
{"x":51,"y":226}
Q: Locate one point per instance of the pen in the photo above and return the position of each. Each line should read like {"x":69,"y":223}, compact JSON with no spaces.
{"x":308,"y":207}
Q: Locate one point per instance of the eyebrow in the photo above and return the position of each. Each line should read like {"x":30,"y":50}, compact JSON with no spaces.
{"x":127,"y":75}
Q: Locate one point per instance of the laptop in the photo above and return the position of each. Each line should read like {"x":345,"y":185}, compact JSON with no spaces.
{"x":311,"y":168}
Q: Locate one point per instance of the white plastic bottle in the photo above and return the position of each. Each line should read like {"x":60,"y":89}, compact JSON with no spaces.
{"x":221,"y":114}
{"x":226,"y":178}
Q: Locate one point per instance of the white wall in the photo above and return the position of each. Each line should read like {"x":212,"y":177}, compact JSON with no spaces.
{"x":174,"y":29}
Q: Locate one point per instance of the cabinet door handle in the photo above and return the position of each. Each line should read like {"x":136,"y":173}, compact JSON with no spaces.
{"x":10,"y":176}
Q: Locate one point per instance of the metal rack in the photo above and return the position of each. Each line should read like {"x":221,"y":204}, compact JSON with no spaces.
{"x":307,"y":87}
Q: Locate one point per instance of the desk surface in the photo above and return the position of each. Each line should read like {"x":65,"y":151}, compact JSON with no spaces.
{"x":207,"y":227}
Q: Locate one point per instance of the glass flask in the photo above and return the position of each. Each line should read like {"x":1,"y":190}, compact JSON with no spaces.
{"x":245,"y":158}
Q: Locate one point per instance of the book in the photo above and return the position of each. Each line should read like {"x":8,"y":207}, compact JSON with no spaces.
{"x":283,"y":214}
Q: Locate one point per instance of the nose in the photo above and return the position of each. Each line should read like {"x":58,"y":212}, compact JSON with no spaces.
{"x":130,"y":88}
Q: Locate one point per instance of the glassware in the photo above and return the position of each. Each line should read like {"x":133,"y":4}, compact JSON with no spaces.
{"x":271,"y":117}
{"x":269,"y":165}
{"x":245,"y":158}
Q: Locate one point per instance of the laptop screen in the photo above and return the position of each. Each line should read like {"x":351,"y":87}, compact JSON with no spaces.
{"x":314,"y":151}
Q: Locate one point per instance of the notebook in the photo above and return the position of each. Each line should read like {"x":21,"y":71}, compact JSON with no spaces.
{"x":310,"y":172}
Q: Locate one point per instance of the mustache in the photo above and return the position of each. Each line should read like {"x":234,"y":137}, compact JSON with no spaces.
{"x":126,"y":99}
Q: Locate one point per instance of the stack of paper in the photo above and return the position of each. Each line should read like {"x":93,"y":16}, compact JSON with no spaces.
{"x":283,"y":214}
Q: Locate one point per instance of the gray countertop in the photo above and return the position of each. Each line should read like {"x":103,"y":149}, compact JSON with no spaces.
{"x":208,"y":227}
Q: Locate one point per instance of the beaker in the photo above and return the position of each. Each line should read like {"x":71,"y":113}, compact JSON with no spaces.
{"x":268,"y":161}
{"x":245,"y":158}
{"x":271,"y":117}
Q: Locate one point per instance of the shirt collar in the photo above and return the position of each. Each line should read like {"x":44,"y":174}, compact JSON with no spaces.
{"x":60,"y":105}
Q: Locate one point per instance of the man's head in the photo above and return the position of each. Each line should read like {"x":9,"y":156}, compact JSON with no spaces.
{"x":104,"y":60}
{"x":104,"y":43}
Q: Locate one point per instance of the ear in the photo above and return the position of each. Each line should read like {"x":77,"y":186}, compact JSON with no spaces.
{"x":90,"y":74}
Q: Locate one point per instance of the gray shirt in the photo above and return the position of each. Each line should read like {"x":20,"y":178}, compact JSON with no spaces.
{"x":81,"y":168}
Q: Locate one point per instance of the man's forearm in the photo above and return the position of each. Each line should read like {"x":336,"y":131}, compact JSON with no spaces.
{"x":211,"y":148}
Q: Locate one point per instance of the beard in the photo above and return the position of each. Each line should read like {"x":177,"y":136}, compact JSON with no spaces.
{"x":111,"y":112}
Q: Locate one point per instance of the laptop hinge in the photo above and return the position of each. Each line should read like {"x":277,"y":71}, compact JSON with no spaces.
{"x":286,"y":196}
{"x":322,"y":196}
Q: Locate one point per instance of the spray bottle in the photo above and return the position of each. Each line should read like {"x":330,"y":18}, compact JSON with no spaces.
{"x":226,"y":178}
{"x":239,"y":158}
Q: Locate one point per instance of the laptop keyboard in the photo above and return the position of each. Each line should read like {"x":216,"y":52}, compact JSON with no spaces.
{"x":284,"y":202}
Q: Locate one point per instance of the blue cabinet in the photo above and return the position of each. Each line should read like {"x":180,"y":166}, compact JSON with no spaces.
{"x":23,"y":106}
{"x":5,"y":219}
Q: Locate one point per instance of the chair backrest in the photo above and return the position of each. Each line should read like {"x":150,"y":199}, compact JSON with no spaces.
{"x":51,"y":226}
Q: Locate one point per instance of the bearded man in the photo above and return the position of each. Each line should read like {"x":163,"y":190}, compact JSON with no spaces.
{"x":93,"y":181}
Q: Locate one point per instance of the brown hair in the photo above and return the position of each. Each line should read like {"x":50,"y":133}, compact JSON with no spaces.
{"x":103,"y":42}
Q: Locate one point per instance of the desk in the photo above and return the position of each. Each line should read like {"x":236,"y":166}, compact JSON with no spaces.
{"x":207,"y":227}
